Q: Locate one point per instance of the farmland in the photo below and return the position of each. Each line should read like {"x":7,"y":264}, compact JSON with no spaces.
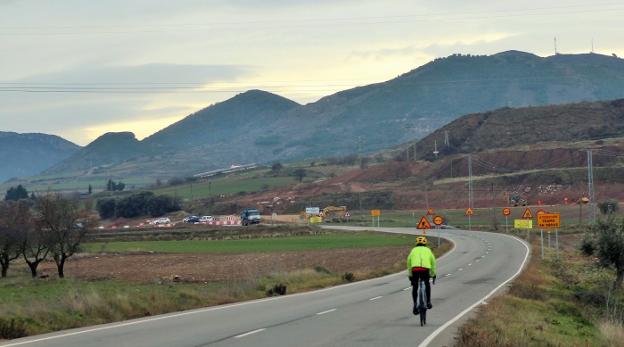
{"x":116,"y":280}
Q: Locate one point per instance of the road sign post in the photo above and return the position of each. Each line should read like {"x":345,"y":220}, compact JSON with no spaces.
{"x":438,"y":221}
{"x":548,"y":233}
{"x":542,"y":242}
{"x":550,"y":221}
{"x":506,"y":213}
{"x":376,"y":213}
{"x":469,"y":213}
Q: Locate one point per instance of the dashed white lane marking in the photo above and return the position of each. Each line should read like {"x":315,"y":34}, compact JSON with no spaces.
{"x":375,"y":298}
{"x":447,"y":275}
{"x":478,"y":260}
{"x":324,"y":312}
{"x":460,"y":269}
{"x":470,"y":264}
{"x":408,"y":288}
{"x":249,"y":333}
{"x":482,"y":256}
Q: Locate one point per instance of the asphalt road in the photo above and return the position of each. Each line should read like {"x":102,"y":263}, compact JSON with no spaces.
{"x":370,"y":313}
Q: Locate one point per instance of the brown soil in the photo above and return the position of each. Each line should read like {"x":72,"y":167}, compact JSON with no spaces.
{"x":218,"y":267}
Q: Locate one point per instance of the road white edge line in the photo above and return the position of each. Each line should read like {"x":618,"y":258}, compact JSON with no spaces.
{"x":375,"y":298}
{"x":249,"y":333}
{"x":114,"y":325}
{"x":324,"y":312}
{"x":437,"y":332}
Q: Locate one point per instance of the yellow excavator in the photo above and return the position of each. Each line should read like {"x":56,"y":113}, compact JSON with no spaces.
{"x":334,"y":214}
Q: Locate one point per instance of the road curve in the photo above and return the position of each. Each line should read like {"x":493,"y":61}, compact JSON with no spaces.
{"x":376,"y":312}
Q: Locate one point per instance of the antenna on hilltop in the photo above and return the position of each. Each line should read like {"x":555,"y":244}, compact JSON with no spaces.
{"x":446,"y":138}
{"x":435,"y":148}
{"x":592,"y":50}
{"x":556,"y":46}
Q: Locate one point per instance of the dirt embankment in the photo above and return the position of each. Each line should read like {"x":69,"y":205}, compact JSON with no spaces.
{"x":220,"y":267}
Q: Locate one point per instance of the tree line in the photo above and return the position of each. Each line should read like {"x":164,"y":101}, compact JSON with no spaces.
{"x":52,"y":226}
{"x":137,"y":205}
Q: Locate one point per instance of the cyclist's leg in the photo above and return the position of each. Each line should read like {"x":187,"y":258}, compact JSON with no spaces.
{"x":425,"y":277}
{"x":415,"y":291}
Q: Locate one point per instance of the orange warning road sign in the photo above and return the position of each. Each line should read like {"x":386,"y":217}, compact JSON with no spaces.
{"x":423,"y":224}
{"x":527,"y":214}
{"x":375,"y":213}
{"x":438,"y":220}
{"x":540,"y":212}
{"x":506,"y":211}
{"x":469,"y":211}
{"x":430,"y":212}
{"x":549,"y":220}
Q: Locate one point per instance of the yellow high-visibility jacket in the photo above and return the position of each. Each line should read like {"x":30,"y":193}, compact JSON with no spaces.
{"x":421,"y":256}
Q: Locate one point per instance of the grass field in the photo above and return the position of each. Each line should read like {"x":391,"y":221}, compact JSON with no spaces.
{"x":280,"y":244}
{"x":37,"y":306}
{"x":225,"y":185}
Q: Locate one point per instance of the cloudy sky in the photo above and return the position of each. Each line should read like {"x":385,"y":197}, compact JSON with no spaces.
{"x":80,"y":68}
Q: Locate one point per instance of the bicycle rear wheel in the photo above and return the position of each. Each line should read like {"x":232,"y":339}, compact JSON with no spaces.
{"x":423,"y":316}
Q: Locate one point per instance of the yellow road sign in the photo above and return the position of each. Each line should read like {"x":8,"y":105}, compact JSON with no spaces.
{"x":523,"y":223}
{"x":469,"y":211}
{"x":506,"y":211}
{"x":549,"y":220}
{"x":375,"y":213}
{"x":527,"y":214}
{"x":423,"y":224}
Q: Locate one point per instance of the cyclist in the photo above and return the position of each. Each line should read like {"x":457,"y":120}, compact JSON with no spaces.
{"x":421,"y":265}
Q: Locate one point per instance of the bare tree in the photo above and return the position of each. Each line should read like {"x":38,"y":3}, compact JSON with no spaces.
{"x":66,"y":223}
{"x":15,"y":217}
{"x":35,"y":246}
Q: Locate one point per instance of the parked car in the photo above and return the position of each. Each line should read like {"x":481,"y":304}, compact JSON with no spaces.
{"x":191,"y":219}
{"x":205,"y":219}
{"x":250,"y":216}
{"x":160,"y":221}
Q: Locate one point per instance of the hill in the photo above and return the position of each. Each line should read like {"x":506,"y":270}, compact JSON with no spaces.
{"x":106,"y":150}
{"x":28,"y":154}
{"x":258,"y":126}
{"x":535,"y":152}
{"x":509,"y":127}
{"x":412,"y":105}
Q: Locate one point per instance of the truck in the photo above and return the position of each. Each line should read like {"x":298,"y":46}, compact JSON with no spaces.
{"x":250,"y":216}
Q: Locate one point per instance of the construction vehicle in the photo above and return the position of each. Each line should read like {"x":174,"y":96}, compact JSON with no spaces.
{"x":334,"y":214}
{"x":517,"y":200}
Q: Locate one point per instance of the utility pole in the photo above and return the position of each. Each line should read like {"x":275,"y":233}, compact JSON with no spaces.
{"x":359,"y":149}
{"x":590,"y":187}
{"x":435,"y":148}
{"x":470,"y":191}
{"x":470,"y":188}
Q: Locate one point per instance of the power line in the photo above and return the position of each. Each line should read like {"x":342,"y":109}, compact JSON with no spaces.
{"x":111,"y":87}
{"x":363,"y":20}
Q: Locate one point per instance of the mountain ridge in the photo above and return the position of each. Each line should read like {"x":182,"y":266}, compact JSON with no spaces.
{"x":258,"y":126}
{"x":26,"y":154}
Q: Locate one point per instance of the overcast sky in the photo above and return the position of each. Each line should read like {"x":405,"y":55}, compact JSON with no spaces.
{"x":80,"y":68}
